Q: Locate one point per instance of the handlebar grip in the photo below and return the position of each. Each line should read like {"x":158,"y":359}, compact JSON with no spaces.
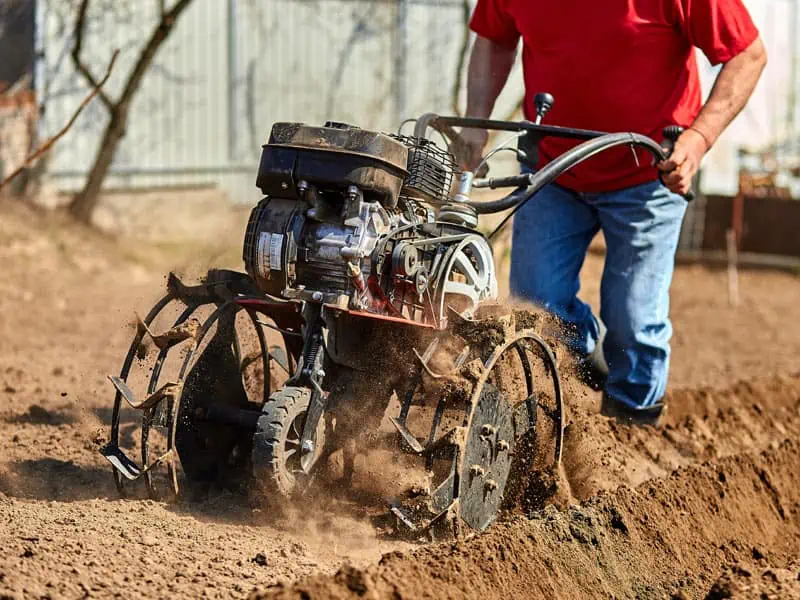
{"x":516,"y":181}
{"x":671,"y":135}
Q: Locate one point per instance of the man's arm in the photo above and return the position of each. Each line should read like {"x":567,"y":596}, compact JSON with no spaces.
{"x":734,"y":86}
{"x":489,"y":66}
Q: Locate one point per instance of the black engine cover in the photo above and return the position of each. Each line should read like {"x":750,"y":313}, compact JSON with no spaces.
{"x":333,"y":157}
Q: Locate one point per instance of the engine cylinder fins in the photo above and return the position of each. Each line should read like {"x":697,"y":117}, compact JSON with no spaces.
{"x":282,"y":463}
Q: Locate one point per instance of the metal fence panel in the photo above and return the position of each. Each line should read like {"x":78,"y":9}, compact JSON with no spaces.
{"x":232,"y":68}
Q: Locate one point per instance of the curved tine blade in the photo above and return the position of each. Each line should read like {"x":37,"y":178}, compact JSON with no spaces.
{"x":129,"y":469}
{"x":184,"y":331}
{"x":461,"y":358}
{"x":424,"y":359}
{"x":168,"y":390}
{"x":453,"y":439}
{"x":458,"y":317}
{"x":408,"y":438}
{"x":180,"y":290}
{"x":431,"y":349}
{"x":425,"y":366}
{"x":402,"y":518}
{"x":278,"y":354}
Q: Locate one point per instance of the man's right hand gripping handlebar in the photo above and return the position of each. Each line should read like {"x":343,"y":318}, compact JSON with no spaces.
{"x":671,"y":135}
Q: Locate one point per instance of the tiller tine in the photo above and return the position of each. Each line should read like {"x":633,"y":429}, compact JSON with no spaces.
{"x":278,"y":354}
{"x":447,"y":444}
{"x":453,"y":316}
{"x":184,"y":331}
{"x":129,"y":469}
{"x":425,"y":358}
{"x":402,"y":518}
{"x":168,"y":390}
{"x":412,"y":442}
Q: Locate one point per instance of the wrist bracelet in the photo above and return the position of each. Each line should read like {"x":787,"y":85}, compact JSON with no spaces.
{"x":702,"y":135}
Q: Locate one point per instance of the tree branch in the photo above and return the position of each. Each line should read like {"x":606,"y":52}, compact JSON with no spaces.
{"x":157,"y":37}
{"x":49,"y":143}
{"x":80,"y":25}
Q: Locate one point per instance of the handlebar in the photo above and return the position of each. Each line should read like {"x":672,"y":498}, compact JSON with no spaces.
{"x":516,"y":181}
{"x":594,"y":143}
{"x":566,"y":161}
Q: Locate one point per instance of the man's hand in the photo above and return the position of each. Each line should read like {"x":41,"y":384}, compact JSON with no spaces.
{"x":474,"y":141}
{"x":681,"y":167}
{"x":730,"y":93}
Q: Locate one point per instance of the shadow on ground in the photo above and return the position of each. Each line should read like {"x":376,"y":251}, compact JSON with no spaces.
{"x":54,"y":479}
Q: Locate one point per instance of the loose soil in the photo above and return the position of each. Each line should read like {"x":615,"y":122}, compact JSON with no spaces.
{"x":706,"y":506}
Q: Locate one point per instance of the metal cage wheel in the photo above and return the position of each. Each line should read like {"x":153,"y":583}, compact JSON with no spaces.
{"x":133,"y":350}
{"x":496,"y":423}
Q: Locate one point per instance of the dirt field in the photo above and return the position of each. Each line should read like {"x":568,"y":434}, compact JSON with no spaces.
{"x":706,"y":507}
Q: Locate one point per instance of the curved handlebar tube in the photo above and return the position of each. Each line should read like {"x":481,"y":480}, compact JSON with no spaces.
{"x":566,"y":161}
{"x":596,"y":141}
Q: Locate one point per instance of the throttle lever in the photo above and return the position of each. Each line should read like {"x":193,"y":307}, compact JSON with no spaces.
{"x":671,"y":135}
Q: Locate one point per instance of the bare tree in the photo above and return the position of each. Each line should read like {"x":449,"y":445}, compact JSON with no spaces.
{"x":84,"y":202}
{"x":42,"y":150}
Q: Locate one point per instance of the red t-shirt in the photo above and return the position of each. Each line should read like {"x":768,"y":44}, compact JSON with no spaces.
{"x":615,"y":65}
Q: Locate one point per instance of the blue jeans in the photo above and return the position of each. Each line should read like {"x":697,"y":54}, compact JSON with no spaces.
{"x":641,"y":226}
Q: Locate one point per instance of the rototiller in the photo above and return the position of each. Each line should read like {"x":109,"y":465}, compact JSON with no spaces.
{"x":370,"y":287}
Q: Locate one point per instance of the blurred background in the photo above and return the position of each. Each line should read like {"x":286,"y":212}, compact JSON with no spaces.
{"x":204,"y":95}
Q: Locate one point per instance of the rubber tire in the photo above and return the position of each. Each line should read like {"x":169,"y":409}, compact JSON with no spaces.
{"x":278,"y":413}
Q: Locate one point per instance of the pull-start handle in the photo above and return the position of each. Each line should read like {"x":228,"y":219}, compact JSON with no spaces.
{"x":671,"y":135}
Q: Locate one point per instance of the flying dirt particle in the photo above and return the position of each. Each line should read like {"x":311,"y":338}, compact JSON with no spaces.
{"x":63,"y":394}
{"x":98,"y":439}
{"x":58,"y":371}
{"x":260,"y":559}
{"x":10,"y":389}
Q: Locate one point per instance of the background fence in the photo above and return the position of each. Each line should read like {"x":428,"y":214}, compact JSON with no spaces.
{"x":233,"y":67}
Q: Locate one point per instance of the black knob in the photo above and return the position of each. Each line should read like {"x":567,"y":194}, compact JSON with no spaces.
{"x":673,"y":132}
{"x":543,"y":102}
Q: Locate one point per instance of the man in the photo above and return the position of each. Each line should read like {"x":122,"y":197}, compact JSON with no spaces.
{"x":613,"y":65}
